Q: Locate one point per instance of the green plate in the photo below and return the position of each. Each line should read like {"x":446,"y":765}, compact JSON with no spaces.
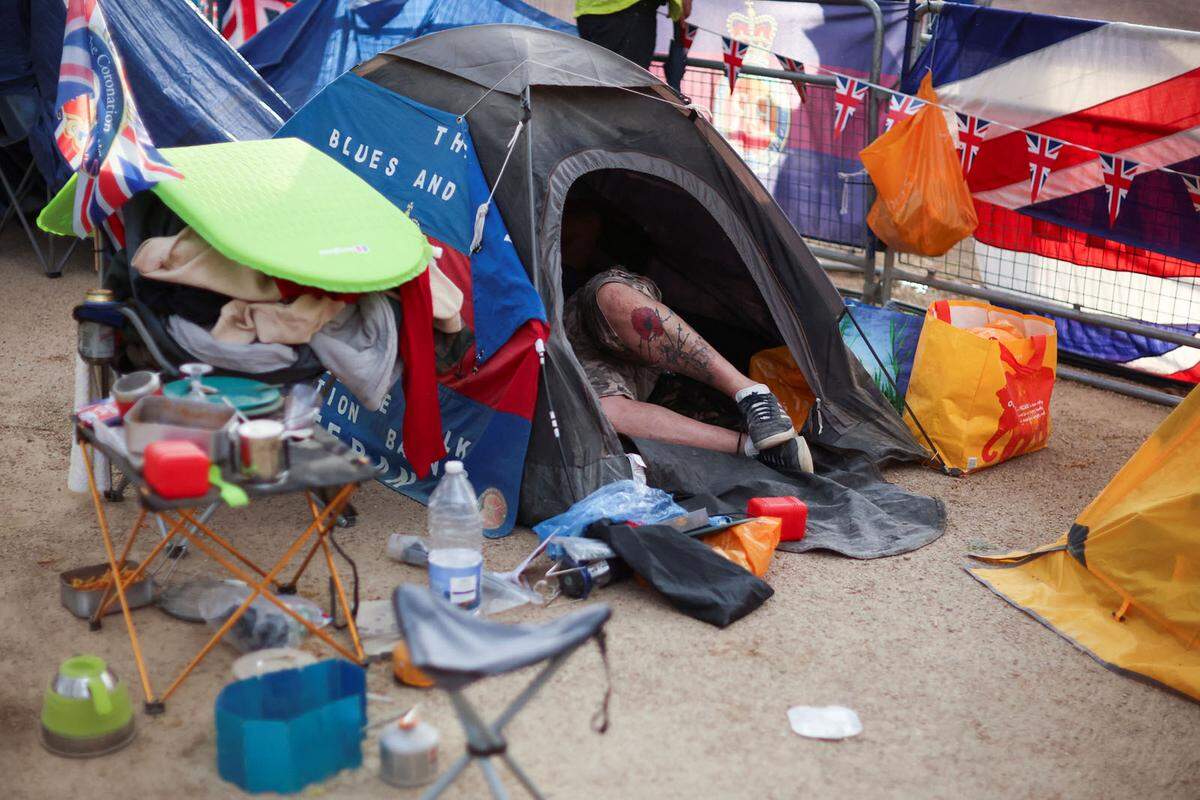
{"x":244,"y":393}
{"x":287,"y":210}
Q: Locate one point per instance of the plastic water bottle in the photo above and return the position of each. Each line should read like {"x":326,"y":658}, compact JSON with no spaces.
{"x":455,"y":539}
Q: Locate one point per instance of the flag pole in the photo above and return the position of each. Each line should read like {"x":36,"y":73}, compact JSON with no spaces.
{"x":98,"y":254}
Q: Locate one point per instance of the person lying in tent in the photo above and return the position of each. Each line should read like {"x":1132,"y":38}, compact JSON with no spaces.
{"x":625,"y":338}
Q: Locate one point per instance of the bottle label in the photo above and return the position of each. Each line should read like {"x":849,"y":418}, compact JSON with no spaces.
{"x":457,"y":583}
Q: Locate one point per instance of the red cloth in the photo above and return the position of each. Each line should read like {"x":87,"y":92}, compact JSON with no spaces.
{"x":423,"y":443}
{"x":290,"y":291}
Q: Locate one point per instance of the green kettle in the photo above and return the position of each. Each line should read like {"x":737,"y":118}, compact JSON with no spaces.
{"x":86,"y":710}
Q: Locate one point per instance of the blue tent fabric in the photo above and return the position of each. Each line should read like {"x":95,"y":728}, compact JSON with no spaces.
{"x":318,"y":40}
{"x":190,"y":86}
{"x":423,"y":160}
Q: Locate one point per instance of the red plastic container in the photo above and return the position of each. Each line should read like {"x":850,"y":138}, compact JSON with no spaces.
{"x":791,"y":510}
{"x":176,"y":469}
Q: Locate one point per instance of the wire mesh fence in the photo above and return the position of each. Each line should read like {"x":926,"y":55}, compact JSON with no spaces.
{"x":791,"y":144}
{"x":813,"y":171}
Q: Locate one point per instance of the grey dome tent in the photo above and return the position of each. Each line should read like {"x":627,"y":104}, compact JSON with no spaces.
{"x":727,"y":258}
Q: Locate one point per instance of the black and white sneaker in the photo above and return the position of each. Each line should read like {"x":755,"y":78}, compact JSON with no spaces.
{"x":791,"y":456}
{"x":767,"y":424}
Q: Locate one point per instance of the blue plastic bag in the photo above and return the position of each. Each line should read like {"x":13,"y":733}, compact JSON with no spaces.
{"x":623,"y":501}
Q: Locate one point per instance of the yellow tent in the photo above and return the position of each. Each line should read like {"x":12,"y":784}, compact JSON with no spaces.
{"x":1124,"y":583}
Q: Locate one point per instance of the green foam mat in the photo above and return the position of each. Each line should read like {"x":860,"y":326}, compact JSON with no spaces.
{"x":287,"y":210}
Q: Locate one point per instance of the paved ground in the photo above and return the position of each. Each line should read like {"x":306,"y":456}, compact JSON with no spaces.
{"x":960,"y":695}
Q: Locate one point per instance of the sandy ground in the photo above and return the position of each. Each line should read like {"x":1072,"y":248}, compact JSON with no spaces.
{"x":960,"y":694}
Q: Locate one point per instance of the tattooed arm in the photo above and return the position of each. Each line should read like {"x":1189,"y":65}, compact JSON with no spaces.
{"x":654,"y":334}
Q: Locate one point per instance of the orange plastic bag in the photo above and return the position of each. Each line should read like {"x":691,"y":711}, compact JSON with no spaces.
{"x":922,"y":203}
{"x":777,"y":369}
{"x":750,"y":544}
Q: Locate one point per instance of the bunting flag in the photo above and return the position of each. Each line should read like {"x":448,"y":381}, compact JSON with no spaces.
{"x":735,"y":54}
{"x":792,"y":65}
{"x":900,"y":108}
{"x":848,"y":97}
{"x":1118,"y":178}
{"x":1192,"y":184}
{"x":685,"y":34}
{"x":971,"y":131}
{"x":245,"y":18}
{"x":100,"y":133}
{"x":1043,"y":152}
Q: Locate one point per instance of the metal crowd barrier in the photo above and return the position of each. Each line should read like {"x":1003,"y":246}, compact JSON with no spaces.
{"x":764,"y":123}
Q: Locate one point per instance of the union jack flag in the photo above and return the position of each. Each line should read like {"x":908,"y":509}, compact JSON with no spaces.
{"x":792,"y":65}
{"x":900,"y":108}
{"x":685,"y":34}
{"x":735,"y":54}
{"x":848,"y":97}
{"x":244,"y":18}
{"x":99,"y":132}
{"x":1043,"y":152}
{"x":971,"y":131}
{"x":1192,"y":184}
{"x":1118,"y":177}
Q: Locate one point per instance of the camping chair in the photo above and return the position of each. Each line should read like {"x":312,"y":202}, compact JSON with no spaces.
{"x":145,"y":342}
{"x":456,"y":649}
{"x":16,"y":112}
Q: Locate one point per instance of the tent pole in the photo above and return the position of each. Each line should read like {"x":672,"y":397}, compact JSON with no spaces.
{"x":527,"y":115}
{"x":534,"y":268}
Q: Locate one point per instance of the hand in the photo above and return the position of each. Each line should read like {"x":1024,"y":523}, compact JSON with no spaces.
{"x":685,"y":9}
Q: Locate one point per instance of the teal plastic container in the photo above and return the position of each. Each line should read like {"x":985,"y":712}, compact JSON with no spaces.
{"x":285,"y":730}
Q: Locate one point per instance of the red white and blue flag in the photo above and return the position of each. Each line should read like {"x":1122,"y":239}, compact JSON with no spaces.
{"x":685,"y":34}
{"x":99,"y":133}
{"x":848,"y":96}
{"x":1043,"y":151}
{"x":1192,"y":184}
{"x":900,"y":108}
{"x":1118,"y":179}
{"x":971,"y":133}
{"x":1099,"y":240}
{"x":244,"y":18}
{"x":734,"y":56}
{"x":792,"y":65}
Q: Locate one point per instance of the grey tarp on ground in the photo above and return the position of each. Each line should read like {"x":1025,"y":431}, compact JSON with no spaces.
{"x":852,"y":510}
{"x":596,"y":115}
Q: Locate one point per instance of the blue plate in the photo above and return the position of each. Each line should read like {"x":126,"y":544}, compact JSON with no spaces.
{"x":244,"y":393}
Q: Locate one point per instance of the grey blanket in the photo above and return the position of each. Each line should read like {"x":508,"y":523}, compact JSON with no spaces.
{"x":359,"y":347}
{"x":852,"y":510}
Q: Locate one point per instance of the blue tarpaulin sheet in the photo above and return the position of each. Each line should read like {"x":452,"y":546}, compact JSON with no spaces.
{"x":318,"y":40}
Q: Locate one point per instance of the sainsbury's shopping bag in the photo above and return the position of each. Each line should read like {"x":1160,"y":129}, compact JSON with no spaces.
{"x":981,"y":382}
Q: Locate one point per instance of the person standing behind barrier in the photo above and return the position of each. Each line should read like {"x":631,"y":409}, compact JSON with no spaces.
{"x":627,"y":27}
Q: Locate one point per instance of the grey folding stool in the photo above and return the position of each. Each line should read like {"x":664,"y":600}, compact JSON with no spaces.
{"x":456,"y":649}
